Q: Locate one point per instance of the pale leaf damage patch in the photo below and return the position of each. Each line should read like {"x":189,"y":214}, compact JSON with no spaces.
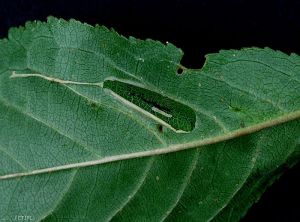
{"x":163,"y":110}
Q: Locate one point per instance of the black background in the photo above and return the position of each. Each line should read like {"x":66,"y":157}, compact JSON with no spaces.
{"x":197,"y":27}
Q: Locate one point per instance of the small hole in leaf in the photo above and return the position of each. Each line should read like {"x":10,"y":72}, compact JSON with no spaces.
{"x":180,"y":71}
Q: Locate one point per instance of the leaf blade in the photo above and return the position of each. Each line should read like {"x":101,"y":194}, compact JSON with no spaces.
{"x":62,"y":120}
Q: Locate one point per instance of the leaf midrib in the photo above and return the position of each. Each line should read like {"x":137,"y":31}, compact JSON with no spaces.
{"x":169,"y":149}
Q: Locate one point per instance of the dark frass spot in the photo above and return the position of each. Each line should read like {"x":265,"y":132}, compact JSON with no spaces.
{"x":160,"y":128}
{"x":235,"y":109}
{"x":93,"y":105}
{"x":177,"y":115}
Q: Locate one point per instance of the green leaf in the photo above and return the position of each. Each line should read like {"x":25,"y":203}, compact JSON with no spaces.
{"x":98,"y":127}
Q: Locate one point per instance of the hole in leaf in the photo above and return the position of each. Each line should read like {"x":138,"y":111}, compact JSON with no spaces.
{"x":165,"y":111}
{"x":180,"y":71}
